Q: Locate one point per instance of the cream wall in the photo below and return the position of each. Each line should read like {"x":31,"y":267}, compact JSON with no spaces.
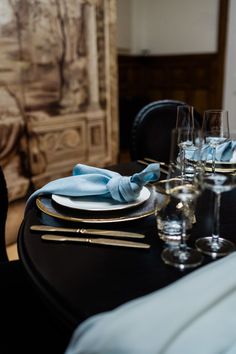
{"x":124,"y":28}
{"x":168,"y":26}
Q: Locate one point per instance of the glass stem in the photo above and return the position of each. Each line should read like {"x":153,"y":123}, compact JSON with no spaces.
{"x":216,"y":223}
{"x":182,"y":154}
{"x":214,"y":160}
{"x":182,"y":244}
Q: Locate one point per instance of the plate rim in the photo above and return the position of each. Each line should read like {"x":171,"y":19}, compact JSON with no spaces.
{"x":121,"y":206}
{"x":100,"y":220}
{"x":226,"y":163}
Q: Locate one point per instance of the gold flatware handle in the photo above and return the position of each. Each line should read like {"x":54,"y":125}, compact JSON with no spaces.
{"x":142,"y":162}
{"x":82,"y":231}
{"x":148,"y":159}
{"x":98,"y":241}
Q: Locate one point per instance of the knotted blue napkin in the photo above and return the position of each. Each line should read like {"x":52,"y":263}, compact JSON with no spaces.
{"x":89,"y":180}
{"x":191,"y":316}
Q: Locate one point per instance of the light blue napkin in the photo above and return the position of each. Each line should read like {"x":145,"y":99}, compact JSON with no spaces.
{"x":191,"y":316}
{"x":89,"y":180}
{"x":224,"y":152}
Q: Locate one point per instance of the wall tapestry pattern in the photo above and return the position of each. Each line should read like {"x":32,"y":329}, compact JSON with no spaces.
{"x":58,"y":88}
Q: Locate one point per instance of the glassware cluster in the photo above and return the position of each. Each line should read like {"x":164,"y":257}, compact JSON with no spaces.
{"x":194,"y":146}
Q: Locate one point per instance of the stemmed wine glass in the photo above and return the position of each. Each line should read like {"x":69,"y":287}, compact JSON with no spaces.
{"x":186,"y":191}
{"x":215,"y":245}
{"x":185,"y":117}
{"x":215,"y":126}
{"x":184,"y":123}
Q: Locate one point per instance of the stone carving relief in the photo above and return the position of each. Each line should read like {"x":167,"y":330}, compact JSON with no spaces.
{"x":58,"y":80}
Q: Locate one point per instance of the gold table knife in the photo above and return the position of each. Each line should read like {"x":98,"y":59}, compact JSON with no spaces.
{"x":114,"y":233}
{"x":97,"y":241}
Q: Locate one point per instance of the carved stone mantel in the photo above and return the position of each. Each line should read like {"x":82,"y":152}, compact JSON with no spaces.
{"x":57,"y":145}
{"x":59,"y":73}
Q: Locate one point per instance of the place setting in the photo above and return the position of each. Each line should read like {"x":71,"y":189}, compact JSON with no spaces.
{"x":98,"y":196}
{"x":93,"y":204}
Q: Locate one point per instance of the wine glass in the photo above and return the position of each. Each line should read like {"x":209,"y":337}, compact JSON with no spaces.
{"x":215,"y":126}
{"x":215,"y":245}
{"x":185,"y":117}
{"x":190,"y":143}
{"x":186,"y":191}
{"x":185,"y":126}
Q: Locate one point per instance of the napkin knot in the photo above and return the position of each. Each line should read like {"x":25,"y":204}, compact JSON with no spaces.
{"x":127,"y":189}
{"x":123,"y":189}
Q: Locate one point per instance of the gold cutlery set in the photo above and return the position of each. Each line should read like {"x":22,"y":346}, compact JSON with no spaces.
{"x":99,"y":241}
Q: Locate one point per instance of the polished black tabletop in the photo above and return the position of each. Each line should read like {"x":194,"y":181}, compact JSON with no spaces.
{"x":80,"y":280}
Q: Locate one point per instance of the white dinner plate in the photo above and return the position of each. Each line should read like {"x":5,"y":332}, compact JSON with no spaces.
{"x":98,"y":203}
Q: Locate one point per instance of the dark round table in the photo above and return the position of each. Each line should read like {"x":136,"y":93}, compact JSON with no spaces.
{"x":79,"y":280}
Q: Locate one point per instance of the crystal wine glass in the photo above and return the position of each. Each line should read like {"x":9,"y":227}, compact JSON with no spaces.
{"x":185,"y":117}
{"x":185,"y":124}
{"x":215,"y":126}
{"x":215,"y":245}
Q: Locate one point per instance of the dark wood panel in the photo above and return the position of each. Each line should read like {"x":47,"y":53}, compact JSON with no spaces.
{"x":189,"y":78}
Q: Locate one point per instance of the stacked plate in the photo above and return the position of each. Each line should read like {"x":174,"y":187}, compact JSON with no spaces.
{"x":221,"y":166}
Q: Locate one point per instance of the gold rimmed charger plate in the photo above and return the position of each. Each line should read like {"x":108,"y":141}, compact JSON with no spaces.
{"x":155,"y":202}
{"x":223,"y":167}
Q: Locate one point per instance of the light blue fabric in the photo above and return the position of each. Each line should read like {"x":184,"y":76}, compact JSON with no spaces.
{"x":224,"y":152}
{"x":194,"y":315}
{"x":89,"y":180}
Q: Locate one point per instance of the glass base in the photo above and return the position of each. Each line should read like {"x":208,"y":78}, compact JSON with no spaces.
{"x":214,"y":249}
{"x":189,"y":258}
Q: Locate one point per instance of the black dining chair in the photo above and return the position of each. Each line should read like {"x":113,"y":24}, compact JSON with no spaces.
{"x":151,"y":130}
{"x":28,"y":326}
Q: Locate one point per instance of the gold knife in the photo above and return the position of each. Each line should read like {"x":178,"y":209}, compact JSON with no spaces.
{"x":97,"y":241}
{"x":114,"y":233}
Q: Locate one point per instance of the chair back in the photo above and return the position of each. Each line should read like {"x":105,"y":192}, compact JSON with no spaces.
{"x":151,"y":130}
{"x":3,"y":216}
